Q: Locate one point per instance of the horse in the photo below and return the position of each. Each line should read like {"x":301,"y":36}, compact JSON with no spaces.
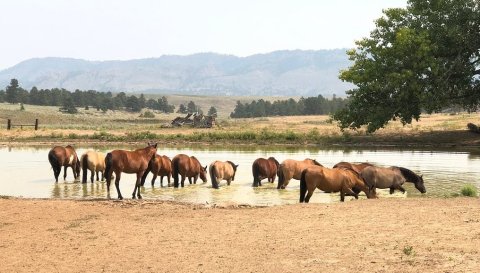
{"x":358,"y":167}
{"x":264,"y":168}
{"x":341,"y":180}
{"x":160,"y":165}
{"x":187,"y":166}
{"x":222,"y":171}
{"x":392,"y":178}
{"x":293,"y":169}
{"x":64,"y":156}
{"x":95,"y":162}
{"x":137,"y":161}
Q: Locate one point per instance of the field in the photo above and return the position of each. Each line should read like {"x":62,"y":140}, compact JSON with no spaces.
{"x":439,"y":130}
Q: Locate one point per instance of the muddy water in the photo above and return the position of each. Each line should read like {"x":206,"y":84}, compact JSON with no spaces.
{"x":26,"y":172}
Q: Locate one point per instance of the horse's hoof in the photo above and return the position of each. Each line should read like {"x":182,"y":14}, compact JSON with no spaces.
{"x":120,"y":198}
{"x":139,"y":197}
{"x":282,"y":187}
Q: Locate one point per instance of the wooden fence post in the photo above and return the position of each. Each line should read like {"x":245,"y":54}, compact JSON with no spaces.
{"x":36,"y":124}
{"x":9,"y":124}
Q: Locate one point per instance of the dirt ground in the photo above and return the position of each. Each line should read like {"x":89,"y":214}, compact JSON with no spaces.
{"x":383,"y":235}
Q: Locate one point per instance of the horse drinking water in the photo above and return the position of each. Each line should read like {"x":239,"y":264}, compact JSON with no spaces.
{"x":95,"y":162}
{"x":222,"y":171}
{"x":137,"y":161}
{"x":264,"y":168}
{"x":187,"y":166}
{"x":66,"y":157}
{"x":392,"y":178}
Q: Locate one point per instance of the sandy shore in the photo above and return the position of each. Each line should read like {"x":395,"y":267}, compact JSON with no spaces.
{"x":384,"y":235}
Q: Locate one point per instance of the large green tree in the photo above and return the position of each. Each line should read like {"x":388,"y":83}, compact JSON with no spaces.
{"x":424,"y":57}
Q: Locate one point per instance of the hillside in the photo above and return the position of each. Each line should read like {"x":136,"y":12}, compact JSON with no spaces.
{"x":280,"y":73}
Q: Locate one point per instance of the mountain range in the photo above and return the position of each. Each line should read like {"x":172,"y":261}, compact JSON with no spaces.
{"x":279,"y":73}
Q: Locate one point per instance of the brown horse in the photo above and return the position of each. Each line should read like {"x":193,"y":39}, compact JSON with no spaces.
{"x":358,"y":167}
{"x":264,"y":168}
{"x":293,"y":169}
{"x":137,"y":161}
{"x":392,"y":178}
{"x":66,"y":157}
{"x":341,"y":180}
{"x":222,"y":171}
{"x":187,"y":166}
{"x":95,"y":162}
{"x":160,"y":165}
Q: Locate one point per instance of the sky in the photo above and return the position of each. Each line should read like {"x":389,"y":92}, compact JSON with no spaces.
{"x":123,"y":30}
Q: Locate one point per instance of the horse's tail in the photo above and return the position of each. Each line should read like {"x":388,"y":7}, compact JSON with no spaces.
{"x":175,"y":171}
{"x":281,"y":176}
{"x":53,"y":161}
{"x":303,"y":186}
{"x":108,"y":167}
{"x":213,"y":173}
{"x":256,"y":174}
{"x":84,"y":167}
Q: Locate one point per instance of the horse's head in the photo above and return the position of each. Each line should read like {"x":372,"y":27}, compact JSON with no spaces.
{"x":419,"y":185}
{"x":203,"y":174}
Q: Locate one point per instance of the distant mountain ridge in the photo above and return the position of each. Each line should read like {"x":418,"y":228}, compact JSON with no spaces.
{"x":279,"y":73}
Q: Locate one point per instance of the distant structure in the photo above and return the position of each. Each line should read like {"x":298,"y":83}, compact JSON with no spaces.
{"x":198,"y":121}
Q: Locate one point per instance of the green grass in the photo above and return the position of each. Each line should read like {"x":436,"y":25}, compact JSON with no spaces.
{"x":469,"y":190}
{"x":408,"y":250}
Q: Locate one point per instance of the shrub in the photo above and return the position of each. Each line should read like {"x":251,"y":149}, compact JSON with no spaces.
{"x":469,"y":190}
{"x":147,"y":114}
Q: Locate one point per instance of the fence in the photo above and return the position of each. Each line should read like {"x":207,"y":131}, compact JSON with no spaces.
{"x":10,"y":125}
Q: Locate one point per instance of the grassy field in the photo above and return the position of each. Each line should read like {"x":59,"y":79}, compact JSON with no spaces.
{"x":432,"y":130}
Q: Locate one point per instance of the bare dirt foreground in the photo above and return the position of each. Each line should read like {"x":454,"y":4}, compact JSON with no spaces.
{"x":385,"y":235}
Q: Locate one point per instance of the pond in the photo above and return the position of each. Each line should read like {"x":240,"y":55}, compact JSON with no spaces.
{"x":26,"y":172}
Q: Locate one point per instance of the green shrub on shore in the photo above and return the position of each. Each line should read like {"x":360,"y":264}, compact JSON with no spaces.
{"x":469,"y":190}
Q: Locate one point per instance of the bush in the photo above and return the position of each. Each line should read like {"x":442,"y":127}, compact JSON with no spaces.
{"x":147,"y":114}
{"x":469,"y":190}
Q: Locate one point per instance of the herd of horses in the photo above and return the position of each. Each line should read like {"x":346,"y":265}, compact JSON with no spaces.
{"x":346,"y":178}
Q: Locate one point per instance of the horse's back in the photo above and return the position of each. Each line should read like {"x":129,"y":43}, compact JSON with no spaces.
{"x":380,"y":177}
{"x":325,"y":179}
{"x":165,"y":165}
{"x":223,"y":170}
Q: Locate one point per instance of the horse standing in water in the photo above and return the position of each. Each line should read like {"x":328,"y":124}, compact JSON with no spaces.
{"x":264,"y":168}
{"x":137,"y":161}
{"x":222,"y":171}
{"x":293,"y":169}
{"x":187,"y":166}
{"x":160,"y":165}
{"x":66,"y":157}
{"x":392,"y":178}
{"x":95,"y":162}
{"x":341,"y":180}
{"x":358,"y":167}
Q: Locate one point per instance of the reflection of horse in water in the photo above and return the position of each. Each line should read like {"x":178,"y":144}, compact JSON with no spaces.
{"x":293,"y":169}
{"x":391,"y":178}
{"x":64,"y":157}
{"x":137,"y":161}
{"x":264,"y":168}
{"x":341,"y":180}
{"x":95,"y":162}
{"x":187,"y":166}
{"x":160,"y":165}
{"x":222,"y":171}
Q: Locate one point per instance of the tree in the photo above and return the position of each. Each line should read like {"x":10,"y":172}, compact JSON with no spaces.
{"x":424,"y":57}
{"x":192,"y":108}
{"x":182,"y":109}
{"x":212,"y":111}
{"x":11,"y":93}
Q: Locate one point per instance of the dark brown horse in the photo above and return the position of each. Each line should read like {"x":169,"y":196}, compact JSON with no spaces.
{"x":187,"y":166}
{"x":293,"y":169}
{"x":264,"y":168}
{"x":66,"y":157}
{"x":137,"y":161}
{"x":220,"y":170}
{"x":160,"y":165}
{"x":391,"y":178}
{"x":341,"y":180}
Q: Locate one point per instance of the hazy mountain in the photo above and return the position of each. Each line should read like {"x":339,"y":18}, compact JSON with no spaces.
{"x":278,"y":73}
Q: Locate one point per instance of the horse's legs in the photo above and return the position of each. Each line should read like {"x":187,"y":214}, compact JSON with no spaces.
{"x":153,"y":179}
{"x":65,"y":172}
{"x":190,"y":180}
{"x":96,"y":171}
{"x":183,"y":181}
{"x":138,"y":183}
{"x":168,"y":177}
{"x":400,"y":188}
{"x":229,"y":181}
{"x":392,"y":190}
{"x":285,"y":183}
{"x":347,"y":190}
{"x":92,"y":177}
{"x":195,"y":178}
{"x":117,"y":184}
{"x":103,"y":175}
{"x":309,"y":194}
{"x":56,"y":173}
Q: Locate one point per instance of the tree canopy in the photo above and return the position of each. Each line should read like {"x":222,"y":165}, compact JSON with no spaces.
{"x":424,"y":57}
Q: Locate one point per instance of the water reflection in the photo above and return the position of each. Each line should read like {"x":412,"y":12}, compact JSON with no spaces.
{"x":26,"y":172}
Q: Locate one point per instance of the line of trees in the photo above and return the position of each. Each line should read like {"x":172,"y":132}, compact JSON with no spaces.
{"x":68,"y":101}
{"x":305,"y":106}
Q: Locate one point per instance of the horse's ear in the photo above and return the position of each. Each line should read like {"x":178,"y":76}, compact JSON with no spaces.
{"x":205,"y":168}
{"x":155,"y":145}
{"x":236,"y":166}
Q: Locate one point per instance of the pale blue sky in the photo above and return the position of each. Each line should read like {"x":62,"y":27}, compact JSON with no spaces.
{"x":122,"y":30}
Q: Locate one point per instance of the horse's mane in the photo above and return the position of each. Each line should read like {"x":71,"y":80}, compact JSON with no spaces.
{"x":409,"y":175}
{"x":276,"y":162}
{"x":351,"y":169}
{"x":315,"y":162}
{"x":233,"y":164}
{"x":196,"y":159}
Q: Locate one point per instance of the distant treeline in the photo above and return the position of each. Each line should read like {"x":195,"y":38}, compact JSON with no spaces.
{"x":305,"y":106}
{"x":69,"y":100}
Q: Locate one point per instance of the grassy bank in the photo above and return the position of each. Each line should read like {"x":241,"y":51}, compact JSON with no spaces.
{"x":439,"y":130}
